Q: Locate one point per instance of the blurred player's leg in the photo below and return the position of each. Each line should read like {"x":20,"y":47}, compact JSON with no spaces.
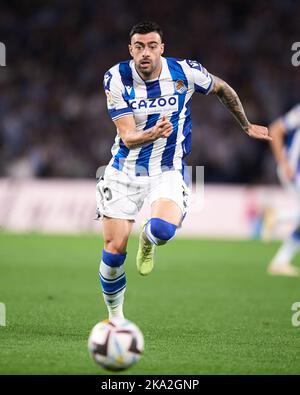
{"x":273,"y":217}
{"x":111,"y":271}
{"x":281,"y":263}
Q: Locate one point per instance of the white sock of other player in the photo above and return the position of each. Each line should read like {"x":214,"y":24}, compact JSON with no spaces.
{"x":113,"y":282}
{"x":287,"y":251}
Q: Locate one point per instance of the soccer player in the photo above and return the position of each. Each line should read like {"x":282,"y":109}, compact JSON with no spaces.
{"x":148,"y":99}
{"x":285,"y":145}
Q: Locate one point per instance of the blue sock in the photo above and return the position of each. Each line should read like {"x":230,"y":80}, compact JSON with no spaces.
{"x":159,"y":231}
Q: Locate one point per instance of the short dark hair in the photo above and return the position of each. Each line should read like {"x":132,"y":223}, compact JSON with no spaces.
{"x":146,"y":27}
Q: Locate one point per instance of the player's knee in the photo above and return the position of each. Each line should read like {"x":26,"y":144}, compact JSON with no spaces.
{"x":115,"y":246}
{"x":162,"y":230}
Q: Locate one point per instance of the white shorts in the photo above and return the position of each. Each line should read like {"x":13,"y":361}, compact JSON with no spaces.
{"x":122,"y":196}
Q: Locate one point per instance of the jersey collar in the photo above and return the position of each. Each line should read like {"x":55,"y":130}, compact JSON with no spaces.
{"x":139,"y":79}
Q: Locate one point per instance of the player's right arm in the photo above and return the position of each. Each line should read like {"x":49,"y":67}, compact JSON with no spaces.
{"x":132,"y":138}
{"x":122,"y":115}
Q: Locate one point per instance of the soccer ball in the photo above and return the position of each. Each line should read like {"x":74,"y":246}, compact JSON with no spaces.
{"x":116,"y":344}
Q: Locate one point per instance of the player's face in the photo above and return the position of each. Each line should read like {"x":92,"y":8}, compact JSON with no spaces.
{"x":146,"y":50}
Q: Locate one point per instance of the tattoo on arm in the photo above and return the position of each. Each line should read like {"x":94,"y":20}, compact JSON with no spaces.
{"x":230,"y":99}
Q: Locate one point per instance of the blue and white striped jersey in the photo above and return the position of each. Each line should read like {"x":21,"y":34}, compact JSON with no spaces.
{"x":170,"y":96}
{"x":291,"y":121}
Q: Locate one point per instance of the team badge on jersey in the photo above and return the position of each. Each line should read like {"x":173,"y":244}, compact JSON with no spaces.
{"x":180,"y":87}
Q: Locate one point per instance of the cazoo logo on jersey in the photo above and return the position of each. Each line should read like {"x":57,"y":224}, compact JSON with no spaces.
{"x":154,"y":106}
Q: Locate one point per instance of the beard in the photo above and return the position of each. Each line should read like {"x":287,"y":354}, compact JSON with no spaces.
{"x":147,"y":69}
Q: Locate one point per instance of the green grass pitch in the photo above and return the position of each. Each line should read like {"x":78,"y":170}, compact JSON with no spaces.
{"x":208,"y":307}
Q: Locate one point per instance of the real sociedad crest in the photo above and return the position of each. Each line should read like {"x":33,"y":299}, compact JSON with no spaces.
{"x":180,"y":87}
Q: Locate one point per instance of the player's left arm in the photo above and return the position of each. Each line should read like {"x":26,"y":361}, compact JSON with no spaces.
{"x":227,"y":95}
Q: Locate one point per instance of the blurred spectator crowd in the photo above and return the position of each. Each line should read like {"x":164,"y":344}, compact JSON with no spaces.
{"x":53,"y":117}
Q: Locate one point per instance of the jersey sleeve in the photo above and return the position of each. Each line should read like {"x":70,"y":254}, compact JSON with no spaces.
{"x":116,"y":104}
{"x":291,"y":120}
{"x":202,"y":79}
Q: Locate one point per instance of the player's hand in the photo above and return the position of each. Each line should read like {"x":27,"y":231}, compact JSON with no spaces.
{"x":163,"y":128}
{"x":258,"y":132}
{"x":287,"y":171}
